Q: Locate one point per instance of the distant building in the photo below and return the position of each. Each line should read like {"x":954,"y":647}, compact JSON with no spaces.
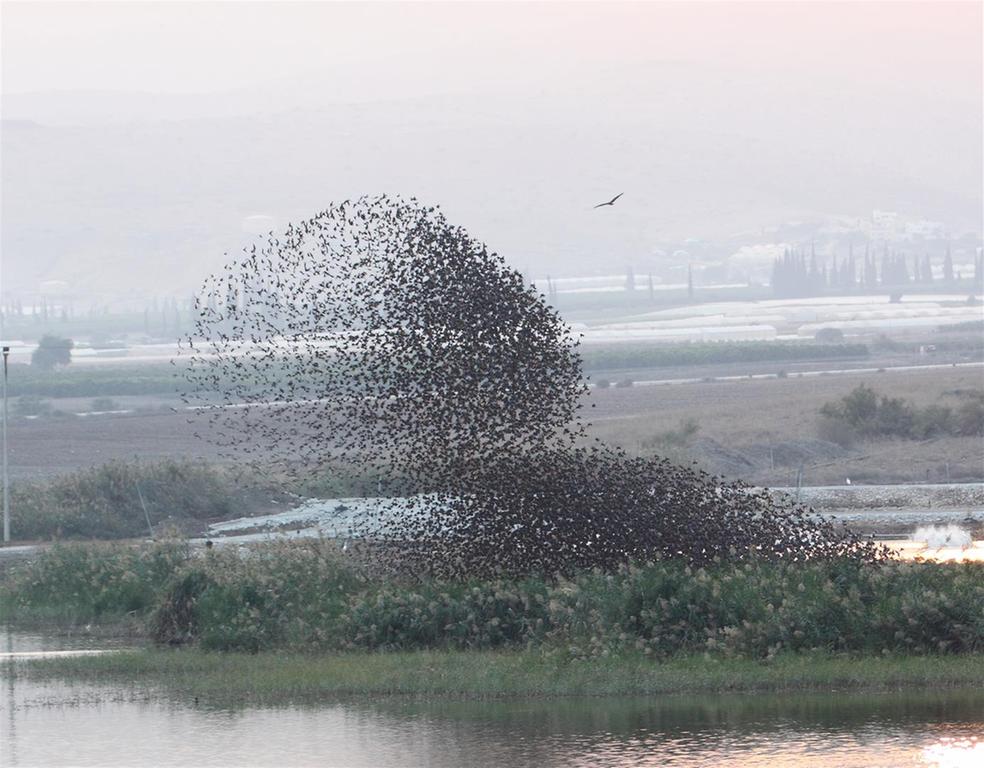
{"x":926,"y":230}
{"x":885,"y":226}
{"x":889,"y":227}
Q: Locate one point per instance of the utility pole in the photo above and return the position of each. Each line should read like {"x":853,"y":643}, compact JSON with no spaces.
{"x":6,"y":480}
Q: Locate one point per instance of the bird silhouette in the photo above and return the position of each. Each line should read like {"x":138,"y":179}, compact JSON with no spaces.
{"x":610,"y":202}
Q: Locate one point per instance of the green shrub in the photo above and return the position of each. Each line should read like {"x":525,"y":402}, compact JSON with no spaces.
{"x":455,"y":615}
{"x":869,"y":415}
{"x":307,"y":595}
{"x":894,"y":418}
{"x":758,"y":609}
{"x":858,"y":408}
{"x":932,"y":421}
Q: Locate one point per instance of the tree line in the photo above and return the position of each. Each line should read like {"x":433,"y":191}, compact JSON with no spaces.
{"x":798,"y":273}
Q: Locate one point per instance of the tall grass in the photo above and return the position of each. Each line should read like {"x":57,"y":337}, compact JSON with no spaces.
{"x":115,"y":500}
{"x":270,"y":596}
{"x":311,"y":596}
{"x":79,"y":584}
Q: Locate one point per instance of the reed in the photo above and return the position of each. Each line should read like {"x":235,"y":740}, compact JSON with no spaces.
{"x":116,"y":500}
{"x":311,"y":596}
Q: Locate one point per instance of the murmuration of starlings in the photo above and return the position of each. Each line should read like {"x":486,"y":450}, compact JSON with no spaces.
{"x":379,"y":341}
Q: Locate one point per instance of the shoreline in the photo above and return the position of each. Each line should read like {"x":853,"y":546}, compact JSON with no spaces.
{"x":280,"y":678}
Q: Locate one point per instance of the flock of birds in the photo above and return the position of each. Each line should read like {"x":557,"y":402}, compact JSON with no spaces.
{"x":377,"y":341}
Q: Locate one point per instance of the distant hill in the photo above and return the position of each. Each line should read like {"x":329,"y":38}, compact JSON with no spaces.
{"x":114,"y":199}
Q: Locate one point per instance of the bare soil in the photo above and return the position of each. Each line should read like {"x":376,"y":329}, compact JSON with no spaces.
{"x":763,"y":431}
{"x":51,"y":445}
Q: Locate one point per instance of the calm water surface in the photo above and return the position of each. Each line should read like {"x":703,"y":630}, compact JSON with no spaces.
{"x":59,"y":723}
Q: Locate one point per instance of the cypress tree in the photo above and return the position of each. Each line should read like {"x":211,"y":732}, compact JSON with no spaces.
{"x":813,"y":281}
{"x":629,"y":280}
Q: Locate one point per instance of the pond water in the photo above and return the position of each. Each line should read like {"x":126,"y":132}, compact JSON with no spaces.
{"x":54,"y":723}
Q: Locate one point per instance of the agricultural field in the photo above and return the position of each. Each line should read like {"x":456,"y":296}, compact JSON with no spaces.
{"x":757,"y":429}
{"x":48,"y":446}
{"x":745,"y":409}
{"x":765,"y":430}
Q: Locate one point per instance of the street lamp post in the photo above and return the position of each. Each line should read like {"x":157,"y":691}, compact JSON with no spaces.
{"x":6,"y":481}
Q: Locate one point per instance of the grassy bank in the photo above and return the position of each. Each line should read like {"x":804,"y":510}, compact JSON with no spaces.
{"x":273,"y":678}
{"x":308,"y":596}
{"x":127,"y":499}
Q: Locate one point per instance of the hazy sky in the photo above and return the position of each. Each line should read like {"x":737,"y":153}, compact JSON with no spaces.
{"x":142,"y":135}
{"x":215,"y":46}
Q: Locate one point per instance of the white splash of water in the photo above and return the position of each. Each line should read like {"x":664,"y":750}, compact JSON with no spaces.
{"x":940,"y":536}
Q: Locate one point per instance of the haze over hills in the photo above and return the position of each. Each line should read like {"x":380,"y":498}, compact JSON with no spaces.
{"x":123,"y":193}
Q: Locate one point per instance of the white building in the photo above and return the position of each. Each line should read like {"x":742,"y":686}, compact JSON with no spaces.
{"x":927,"y":230}
{"x":885,"y":226}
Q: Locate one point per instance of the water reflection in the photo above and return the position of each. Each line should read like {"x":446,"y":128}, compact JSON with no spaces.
{"x":18,"y":643}
{"x":909,"y":549}
{"x":57,"y":723}
{"x":9,"y":741}
{"x":816,"y":729}
{"x":955,"y":753}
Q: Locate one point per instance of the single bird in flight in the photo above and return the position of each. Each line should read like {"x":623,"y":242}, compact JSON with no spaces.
{"x":610,"y":202}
